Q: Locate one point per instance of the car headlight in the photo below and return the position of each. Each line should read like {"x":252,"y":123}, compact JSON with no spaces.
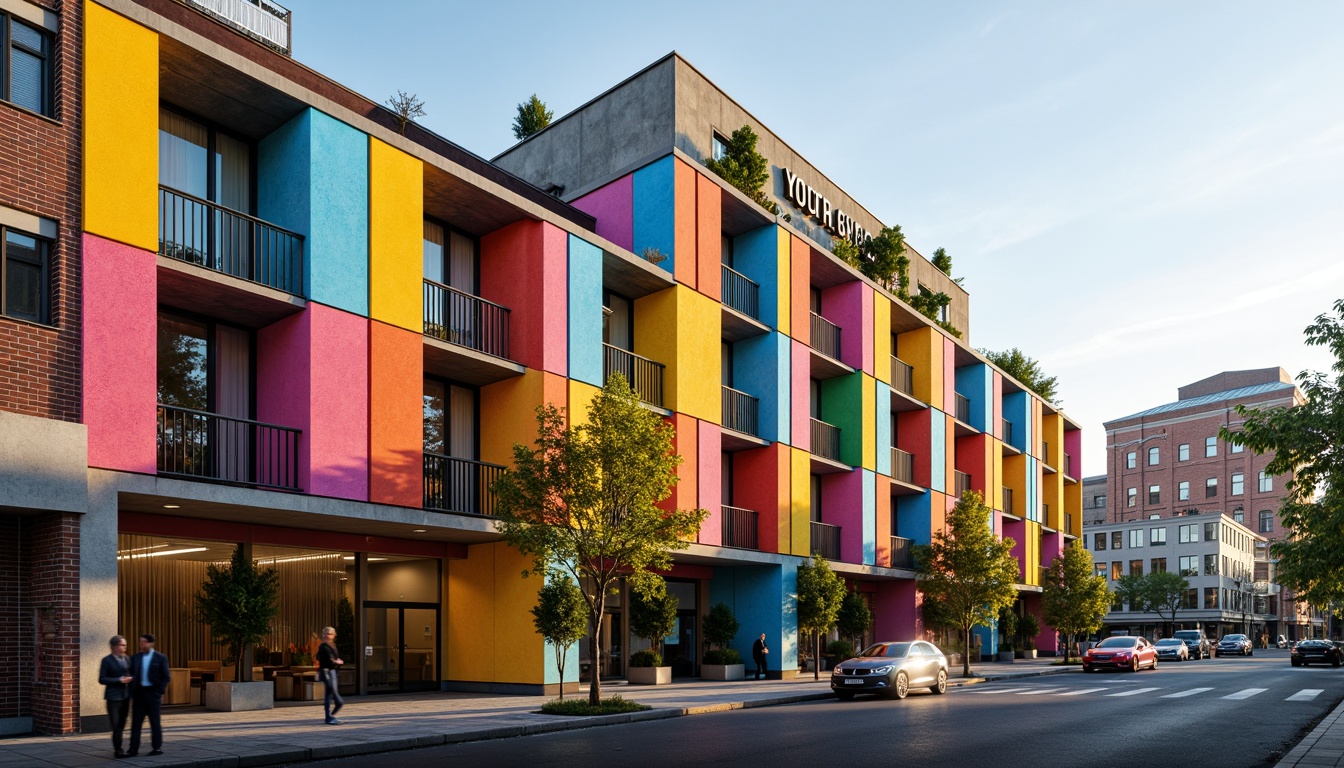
{"x":838,"y":670}
{"x":883,"y":670}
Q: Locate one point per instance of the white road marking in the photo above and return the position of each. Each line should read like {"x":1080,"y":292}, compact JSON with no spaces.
{"x":1035,"y":691}
{"x":1080,"y":693}
{"x":1306,"y":694}
{"x":1245,"y":694}
{"x":999,"y":690}
{"x":1134,"y":692}
{"x":1183,"y":694}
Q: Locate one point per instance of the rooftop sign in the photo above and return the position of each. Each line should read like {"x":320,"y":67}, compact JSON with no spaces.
{"x":832,"y":219}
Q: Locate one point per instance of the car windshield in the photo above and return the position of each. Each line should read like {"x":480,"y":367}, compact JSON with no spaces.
{"x":1118,"y":642}
{"x":887,"y":650}
{"x":1234,"y":638}
{"x":1313,"y":642}
{"x":1170,"y":641}
{"x":1187,"y":635}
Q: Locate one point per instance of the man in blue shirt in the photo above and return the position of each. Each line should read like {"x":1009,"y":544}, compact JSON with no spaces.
{"x":150,"y":672}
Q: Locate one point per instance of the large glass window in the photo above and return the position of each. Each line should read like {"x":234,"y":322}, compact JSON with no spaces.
{"x":451,"y":257}
{"x":1211,"y":565}
{"x":202,"y":161}
{"x":1189,"y":565}
{"x":24,"y":276}
{"x":1135,"y":538}
{"x":618,"y":322}
{"x":1157,"y":537}
{"x":26,"y":72}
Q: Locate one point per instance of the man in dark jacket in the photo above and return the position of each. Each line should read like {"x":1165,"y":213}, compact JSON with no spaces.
{"x":758,"y":652}
{"x":149,"y":670}
{"x":115,"y":675}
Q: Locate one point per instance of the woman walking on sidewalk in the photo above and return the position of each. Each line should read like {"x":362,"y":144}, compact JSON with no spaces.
{"x":328,"y":671}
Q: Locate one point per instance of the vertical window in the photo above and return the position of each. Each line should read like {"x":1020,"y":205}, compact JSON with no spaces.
{"x":1098,"y":502}
{"x":24,"y":276}
{"x":1117,"y":570}
{"x":1238,"y":483}
{"x":1210,"y":597}
{"x":26,"y":70}
{"x":1183,"y":490}
{"x":1266,"y":483}
{"x":1211,"y":446}
{"x":1136,"y":538}
{"x":618,"y":322}
{"x":1239,"y":515}
{"x":1099,"y":542}
{"x":1188,"y":534}
{"x":1210,"y":531}
{"x":1210,"y":565}
{"x":201,"y":161}
{"x":1131,"y":460}
{"x":1135,"y":567}
{"x":1189,"y":565}
{"x":1157,"y":537}
{"x":1266,"y":521}
{"x":1131,"y":497}
{"x":1158,"y":565}
{"x":1183,"y":452}
{"x":1211,"y":488}
{"x":1154,"y":494}
{"x":718,"y":147}
{"x":1153,"y":456}
{"x":1117,"y":539}
{"x":1101,"y":570}
{"x":1236,"y":448}
{"x":1189,"y":599}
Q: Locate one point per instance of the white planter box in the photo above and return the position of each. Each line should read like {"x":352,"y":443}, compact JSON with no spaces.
{"x":239,"y":697}
{"x":723,"y":671}
{"x":1029,"y":653}
{"x":648,"y":675}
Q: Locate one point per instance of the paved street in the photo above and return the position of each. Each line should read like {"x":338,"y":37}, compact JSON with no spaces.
{"x":1229,"y":713}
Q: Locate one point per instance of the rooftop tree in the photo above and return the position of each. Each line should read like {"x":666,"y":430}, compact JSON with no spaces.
{"x":1015,"y":363}
{"x":531,"y":118}
{"x":744,"y":167}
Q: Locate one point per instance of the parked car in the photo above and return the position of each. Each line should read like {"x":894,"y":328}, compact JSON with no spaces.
{"x":891,"y":669}
{"x":1132,"y":653}
{"x":1316,"y":652}
{"x":1196,"y":642}
{"x":1172,"y":649}
{"x":1230,"y":644}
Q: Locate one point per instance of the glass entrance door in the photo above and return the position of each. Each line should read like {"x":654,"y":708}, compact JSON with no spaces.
{"x":401,"y":640}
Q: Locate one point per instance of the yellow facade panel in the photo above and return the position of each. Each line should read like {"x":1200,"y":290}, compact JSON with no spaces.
{"x":882,"y":338}
{"x":799,"y":533}
{"x":784,"y":270}
{"x":922,"y":349}
{"x":681,"y":329}
{"x":869,"y":388}
{"x":396,"y":236}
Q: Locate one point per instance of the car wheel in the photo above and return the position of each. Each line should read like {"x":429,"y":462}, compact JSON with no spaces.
{"x":1134,"y":665}
{"x":844,"y":695}
{"x":902,"y":687}
{"x":1154,"y":663}
{"x":1295,"y":663}
{"x":940,"y":685}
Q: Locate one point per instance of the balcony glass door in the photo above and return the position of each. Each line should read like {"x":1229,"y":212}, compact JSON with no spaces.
{"x":400,"y":644}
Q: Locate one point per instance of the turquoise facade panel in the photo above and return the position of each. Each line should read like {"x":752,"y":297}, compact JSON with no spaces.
{"x":763,"y":598}
{"x":585,"y":311}
{"x":914,"y":518}
{"x":1017,"y":411}
{"x":937,"y":451}
{"x":756,"y":255}
{"x":976,"y":384}
{"x":869,"y":518}
{"x":882,"y":429}
{"x":1033,"y":490}
{"x":761,"y":367}
{"x":655,"y":207}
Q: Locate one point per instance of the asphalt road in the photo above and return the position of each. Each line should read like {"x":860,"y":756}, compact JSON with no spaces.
{"x":1223,"y":713}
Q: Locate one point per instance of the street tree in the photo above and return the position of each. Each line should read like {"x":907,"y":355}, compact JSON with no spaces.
{"x":1165,"y":589}
{"x":1015,"y":363}
{"x":1308,"y":446}
{"x":531,"y":118}
{"x":584,"y":499}
{"x":968,"y":569}
{"x":820,"y":595}
{"x":238,"y":602}
{"x":1074,"y":597}
{"x":561,"y":618}
{"x":1132,"y":589}
{"x":653,"y":616}
{"x":854,"y":619}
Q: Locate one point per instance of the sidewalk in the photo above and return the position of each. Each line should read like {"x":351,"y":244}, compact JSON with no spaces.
{"x":1324,"y":746}
{"x":293,"y":732}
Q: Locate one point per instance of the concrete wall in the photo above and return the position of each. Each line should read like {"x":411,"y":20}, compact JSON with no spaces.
{"x":43,"y":463}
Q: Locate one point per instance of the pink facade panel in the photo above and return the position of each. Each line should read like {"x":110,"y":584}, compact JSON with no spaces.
{"x":120,"y":355}
{"x":842,"y":505}
{"x":896,"y":610}
{"x":996,"y":401}
{"x":801,"y":396}
{"x":949,"y":376}
{"x":850,"y":306}
{"x":1073,"y":446}
{"x":710,"y":457}
{"x":614,"y":208}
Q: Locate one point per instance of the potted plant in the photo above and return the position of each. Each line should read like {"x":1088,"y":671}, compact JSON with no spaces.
{"x":837,"y":651}
{"x":1007,"y":629}
{"x":238,"y":602}
{"x":652,"y":617}
{"x":1028,"y":627}
{"x":722,"y":662}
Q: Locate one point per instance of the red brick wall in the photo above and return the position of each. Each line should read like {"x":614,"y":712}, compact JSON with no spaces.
{"x":39,"y":174}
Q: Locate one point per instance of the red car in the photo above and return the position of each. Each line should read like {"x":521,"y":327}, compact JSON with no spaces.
{"x":1133,"y":653}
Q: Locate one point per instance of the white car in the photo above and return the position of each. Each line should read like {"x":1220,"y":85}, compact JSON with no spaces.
{"x":1172,"y":649}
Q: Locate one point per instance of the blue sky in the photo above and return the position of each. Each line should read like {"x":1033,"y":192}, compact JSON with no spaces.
{"x":1138,"y":195}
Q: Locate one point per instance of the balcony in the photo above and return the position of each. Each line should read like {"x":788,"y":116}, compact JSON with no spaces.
{"x":261,"y":20}
{"x":825,"y":440}
{"x":739,"y":528}
{"x":963,"y":406}
{"x":208,"y":446}
{"x":902,"y":553}
{"x":903,"y":387}
{"x":1068,"y":466}
{"x":902,"y":466}
{"x":740,"y":412}
{"x":199,"y":232}
{"x":1008,"y":502}
{"x":961,"y":482}
{"x":826,"y":540}
{"x":468,"y":321}
{"x":1006,"y":436}
{"x":460,"y":485}
{"x":740,"y":292}
{"x":644,"y":375}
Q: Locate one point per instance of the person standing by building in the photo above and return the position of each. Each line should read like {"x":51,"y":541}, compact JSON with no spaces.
{"x":149,"y":670}
{"x":758,"y":652}
{"x":329,"y":671}
{"x":115,"y":675}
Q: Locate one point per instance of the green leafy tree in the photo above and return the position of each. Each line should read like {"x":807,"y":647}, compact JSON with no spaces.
{"x":1074,"y":597}
{"x":721,"y":627}
{"x":854,"y":619}
{"x":820,"y":594}
{"x":1007,"y":627}
{"x":653,"y":616}
{"x":1028,"y":627}
{"x":942,"y":261}
{"x":885,"y":261}
{"x":1307,"y":443}
{"x":848,"y":252}
{"x":561,"y":618}
{"x":584,"y":500}
{"x":1164,"y":592}
{"x":1026,"y":370}
{"x":1132,"y":589}
{"x":238,"y":602}
{"x":345,"y":629}
{"x":531,"y":118}
{"x":744,"y":167}
{"x":968,"y":569}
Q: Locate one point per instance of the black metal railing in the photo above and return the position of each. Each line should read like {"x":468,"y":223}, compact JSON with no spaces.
{"x":1008,"y":501}
{"x":902,"y":552}
{"x":825,"y":337}
{"x":825,"y":440}
{"x":214,"y":447}
{"x":902,"y":376}
{"x":962,"y":482}
{"x":902,"y":466}
{"x":739,"y":411}
{"x":1007,"y":431}
{"x":469,"y":321}
{"x":826,"y":540}
{"x":460,"y":485}
{"x":644,"y":375}
{"x":740,"y":292}
{"x":739,"y":528}
{"x":209,"y":235}
{"x":963,"y":413}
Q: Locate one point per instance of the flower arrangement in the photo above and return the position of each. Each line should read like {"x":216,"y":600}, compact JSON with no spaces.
{"x":299,"y":655}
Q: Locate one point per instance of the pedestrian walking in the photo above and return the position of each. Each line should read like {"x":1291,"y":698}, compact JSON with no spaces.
{"x":328,"y":671}
{"x":758,"y":652}
{"x":115,"y":675}
{"x":150,"y":675}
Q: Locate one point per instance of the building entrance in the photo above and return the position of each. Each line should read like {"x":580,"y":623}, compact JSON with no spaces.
{"x":399,"y":647}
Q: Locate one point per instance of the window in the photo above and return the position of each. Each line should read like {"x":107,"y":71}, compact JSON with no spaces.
{"x":1211,"y":488}
{"x":26,"y":72}
{"x":1099,"y":542}
{"x":24,"y":276}
{"x":1210,"y":597}
{"x":1154,"y":494}
{"x":1211,"y":446}
{"x":451,"y":259}
{"x":1136,"y":538}
{"x":1188,"y":534}
{"x":1135,"y":567}
{"x":1157,"y":537}
{"x":1183,"y":452}
{"x":1101,"y":570}
{"x":816,"y":498}
{"x":1131,"y":460}
{"x":1159,"y":565}
{"x":718,"y":147}
{"x":618,"y":321}
{"x":1183,"y":490}
{"x":1098,"y":502}
{"x":1117,"y":539}
{"x":1239,"y":515}
{"x":1266,"y":483}
{"x":1189,"y":565}
{"x":1236,"y":448}
{"x":1131,"y":497}
{"x":1211,"y":565}
{"x":1190,"y":598}
{"x":199,"y":160}
{"x":1238,"y":483}
{"x":1210,"y":531}
{"x":1153,"y":456}
{"x":1117,"y":570}
{"x":1266,"y":521}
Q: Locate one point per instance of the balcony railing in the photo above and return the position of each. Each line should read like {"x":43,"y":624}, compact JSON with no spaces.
{"x":825,"y":440}
{"x":260,"y":19}
{"x":963,"y":413}
{"x":740,"y":292}
{"x":645,"y":376}
{"x":1068,"y":465}
{"x":826,"y":540}
{"x":962,"y":482}
{"x":902,"y":552}
{"x":468,"y":321}
{"x":739,"y":528}
{"x":825,"y":337}
{"x":1008,"y":501}
{"x":739,"y":411}
{"x":902,"y":466}
{"x":200,"y":232}
{"x":1007,"y":431}
{"x":460,"y":485}
{"x":902,"y":376}
{"x":214,"y":447}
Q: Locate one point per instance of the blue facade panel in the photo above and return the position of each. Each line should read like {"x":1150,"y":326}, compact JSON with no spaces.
{"x":937,"y":451}
{"x":756,"y":255}
{"x":763,"y":599}
{"x":1017,"y":410}
{"x":914,"y":518}
{"x":585,"y":312}
{"x":882,"y":429}
{"x":870,"y":517}
{"x":761,"y":369}
{"x":976,"y":384}
{"x":655,"y":208}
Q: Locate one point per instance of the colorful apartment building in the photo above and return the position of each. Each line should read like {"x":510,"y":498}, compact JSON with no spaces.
{"x":278,"y":322}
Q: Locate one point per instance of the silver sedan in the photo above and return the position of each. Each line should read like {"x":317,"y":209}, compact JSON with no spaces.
{"x":891,"y":669}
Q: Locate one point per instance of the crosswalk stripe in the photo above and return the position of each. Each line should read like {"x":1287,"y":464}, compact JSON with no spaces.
{"x":1134,"y":692}
{"x":1306,"y":694}
{"x":1000,"y":690}
{"x":1183,"y":694}
{"x":1081,"y":692}
{"x":1245,"y":694}
{"x":1035,"y":691}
